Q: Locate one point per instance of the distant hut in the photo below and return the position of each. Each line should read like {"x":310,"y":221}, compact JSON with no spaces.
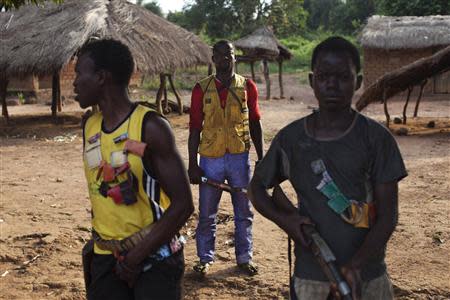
{"x":263,"y":45}
{"x":390,"y":43}
{"x":38,"y":42}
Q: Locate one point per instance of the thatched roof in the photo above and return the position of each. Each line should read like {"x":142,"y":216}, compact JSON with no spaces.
{"x":40,"y":40}
{"x":262,"y":43}
{"x":406,"y":32}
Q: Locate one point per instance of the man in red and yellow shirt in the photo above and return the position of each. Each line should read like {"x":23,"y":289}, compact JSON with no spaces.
{"x":224,"y":115}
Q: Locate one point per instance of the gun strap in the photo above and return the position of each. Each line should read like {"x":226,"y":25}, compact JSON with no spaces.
{"x":121,"y":245}
{"x":290,"y":256}
{"x":292,"y":293}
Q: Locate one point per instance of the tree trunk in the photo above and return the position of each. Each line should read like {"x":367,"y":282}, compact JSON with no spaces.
{"x":406,"y":104}
{"x":3,"y":90}
{"x":416,"y":109}
{"x":280,"y":78}
{"x":267,"y":78}
{"x":409,"y":75}
{"x":180,"y":104}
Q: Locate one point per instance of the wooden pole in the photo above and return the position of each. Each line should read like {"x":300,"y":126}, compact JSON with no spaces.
{"x":166,"y":101}
{"x":252,"y":68}
{"x":280,"y":77}
{"x":386,"y":112}
{"x":3,"y":90}
{"x":162,"y":85}
{"x":422,"y":85}
{"x":58,"y":90}
{"x":267,"y":78}
{"x":55,"y":93}
{"x":180,"y":104}
{"x":410,"y":88}
{"x":210,"y":69}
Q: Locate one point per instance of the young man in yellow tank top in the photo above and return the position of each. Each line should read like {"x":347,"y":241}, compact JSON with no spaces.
{"x":137,"y":183}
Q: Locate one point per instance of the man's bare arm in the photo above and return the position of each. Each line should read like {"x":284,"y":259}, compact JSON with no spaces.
{"x":256,"y":134}
{"x":386,"y":202}
{"x":278,"y":209}
{"x":166,"y":162}
{"x":195,"y":172}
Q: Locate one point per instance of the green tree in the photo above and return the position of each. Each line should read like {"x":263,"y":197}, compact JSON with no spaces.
{"x":319,"y":13}
{"x":154,"y":7}
{"x":413,"y":7}
{"x":351,"y":15}
{"x":338,"y":15}
{"x":287,"y":17}
{"x":10,"y":4}
{"x":221,"y":18}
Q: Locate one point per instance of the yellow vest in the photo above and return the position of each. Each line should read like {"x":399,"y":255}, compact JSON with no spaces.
{"x":224,"y":129}
{"x":111,"y":220}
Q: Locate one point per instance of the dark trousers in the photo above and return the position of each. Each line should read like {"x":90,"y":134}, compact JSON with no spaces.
{"x":164,"y":280}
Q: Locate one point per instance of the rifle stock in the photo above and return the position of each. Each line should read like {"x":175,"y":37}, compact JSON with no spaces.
{"x":321,"y":251}
{"x":223,"y":186}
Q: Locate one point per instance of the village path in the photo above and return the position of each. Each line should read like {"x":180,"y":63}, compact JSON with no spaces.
{"x":45,"y":218}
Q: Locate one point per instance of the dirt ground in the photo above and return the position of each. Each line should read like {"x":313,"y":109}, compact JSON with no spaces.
{"x":45,"y":216}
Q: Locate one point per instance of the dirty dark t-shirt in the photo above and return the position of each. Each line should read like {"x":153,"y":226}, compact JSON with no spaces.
{"x":364,"y":156}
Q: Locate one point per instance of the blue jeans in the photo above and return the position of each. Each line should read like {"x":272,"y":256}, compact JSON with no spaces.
{"x":235,"y":168}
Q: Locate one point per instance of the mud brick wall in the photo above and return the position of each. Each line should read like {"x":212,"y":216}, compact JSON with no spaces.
{"x":378,"y":62}
{"x":67,"y":76}
{"x":26,"y":84}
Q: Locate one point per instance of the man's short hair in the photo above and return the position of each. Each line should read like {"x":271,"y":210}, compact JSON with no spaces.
{"x":112,"y":56}
{"x":221,"y":44}
{"x":337,"y":44}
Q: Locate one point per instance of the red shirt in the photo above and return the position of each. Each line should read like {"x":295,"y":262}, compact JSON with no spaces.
{"x":196,"y":111}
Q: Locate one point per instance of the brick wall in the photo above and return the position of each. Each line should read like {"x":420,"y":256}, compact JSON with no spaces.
{"x":27,"y":84}
{"x":379,"y":62}
{"x":67,"y":76}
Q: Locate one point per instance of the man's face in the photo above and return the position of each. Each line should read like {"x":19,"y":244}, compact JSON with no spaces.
{"x":88,"y":82}
{"x":334,"y":80}
{"x":223,"y":58}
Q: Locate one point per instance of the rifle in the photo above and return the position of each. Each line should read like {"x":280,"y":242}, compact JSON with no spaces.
{"x":223,"y":186}
{"x":321,"y":251}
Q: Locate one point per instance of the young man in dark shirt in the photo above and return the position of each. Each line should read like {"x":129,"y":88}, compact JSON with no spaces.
{"x":344,"y":168}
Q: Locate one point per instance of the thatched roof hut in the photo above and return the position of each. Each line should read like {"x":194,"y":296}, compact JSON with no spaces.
{"x":390,"y":43}
{"x":390,"y":33}
{"x":42,"y":40}
{"x":263,"y":45}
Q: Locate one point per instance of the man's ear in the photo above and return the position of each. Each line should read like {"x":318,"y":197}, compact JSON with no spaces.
{"x":310,"y":77}
{"x":359,"y":79}
{"x":102,"y":76}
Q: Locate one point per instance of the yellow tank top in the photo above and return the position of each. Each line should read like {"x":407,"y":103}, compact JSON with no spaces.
{"x":111,"y":220}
